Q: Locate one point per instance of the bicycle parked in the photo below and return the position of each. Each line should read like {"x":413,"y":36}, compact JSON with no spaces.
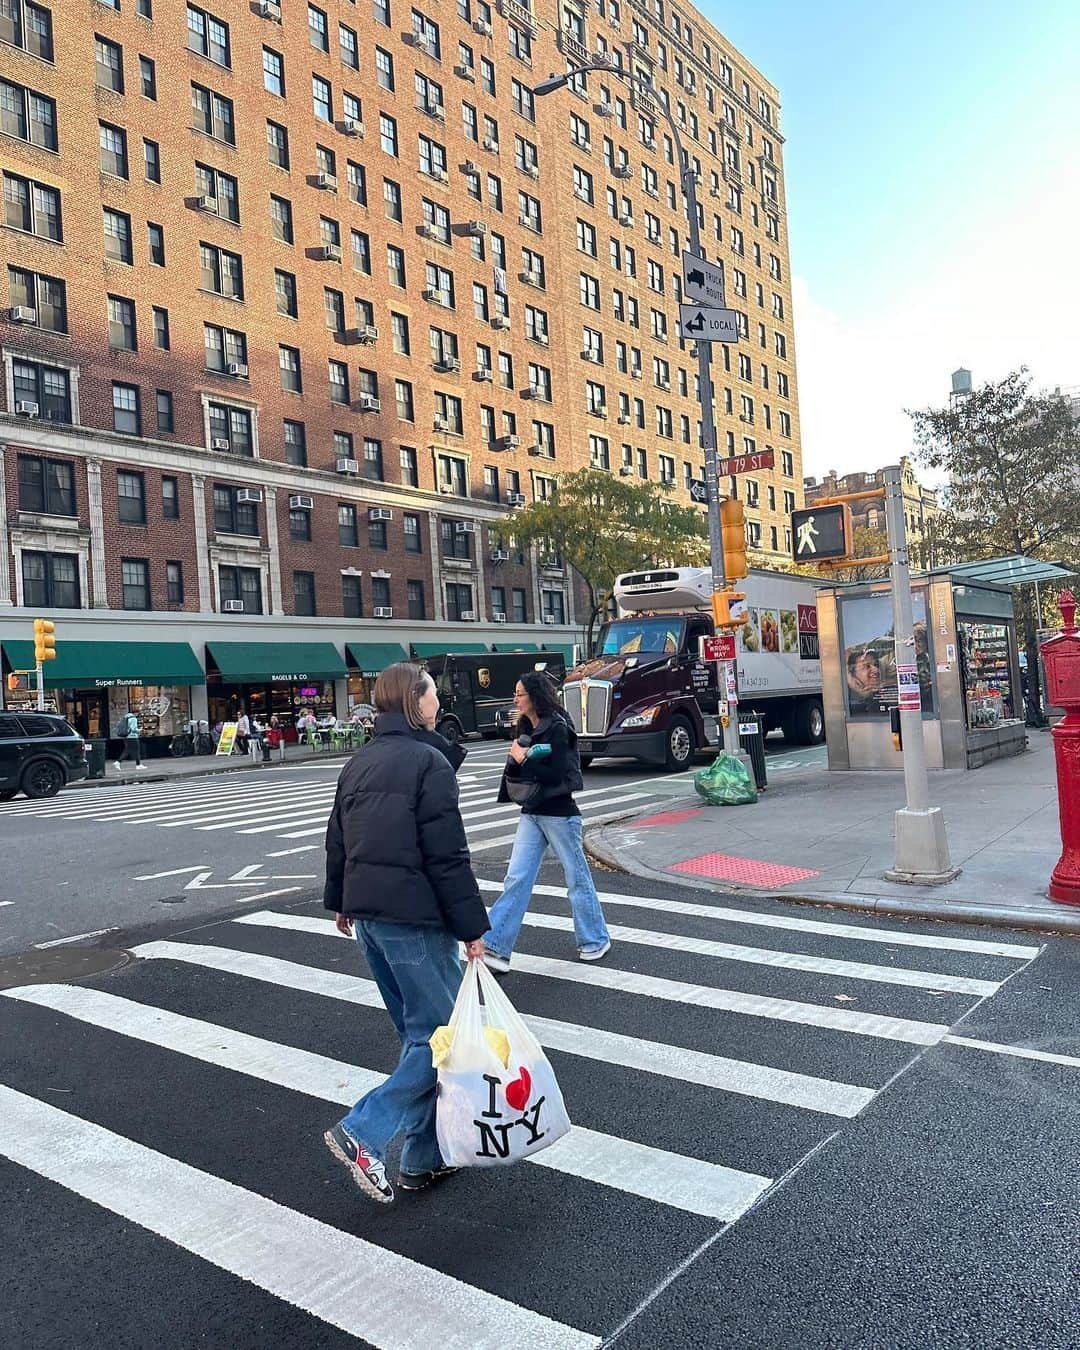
{"x":195,"y":739}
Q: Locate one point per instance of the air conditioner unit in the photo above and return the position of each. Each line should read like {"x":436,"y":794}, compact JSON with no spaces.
{"x":484,"y":376}
{"x":441,"y":424}
{"x":500,"y":321}
{"x":326,"y":181}
{"x":380,"y":513}
{"x":427,"y":231}
{"x":543,"y":339}
{"x":249,"y":495}
{"x":600,"y":410}
{"x":650,"y":142}
{"x":465,"y":73}
{"x":626,"y":470}
{"x":447,"y":489}
{"x":653,"y":236}
{"x":715,"y":192}
{"x":603,"y":110}
{"x":490,"y":143}
{"x":626,"y":218}
{"x":383,"y":611}
{"x":269,"y":9}
{"x":449,"y":363}
{"x":25,"y":408}
{"x":530,"y":278}
{"x":533,"y":170}
{"x":349,"y":126}
{"x":468,"y":615}
{"x":515,"y":499}
{"x":368,"y":403}
{"x":206,"y":203}
{"x":219,"y":443}
{"x":500,"y":555}
{"x":664,"y":384}
{"x":476,"y":228}
{"x":549,"y":618}
{"x":743,"y":418}
{"x":301,"y":502}
{"x":635,"y":374}
{"x":535,"y":451}
{"x":508,"y":442}
{"x":439,"y":175}
{"x":329,"y":252}
{"x":430,"y":293}
{"x":622,"y":171}
{"x":22,"y":314}
{"x":531,"y":391}
{"x":624,"y":419}
{"x":581,"y":194}
{"x":367,"y":333}
{"x":346,"y":465}
{"x":470,"y":166}
{"x":498,"y":616}
{"x":232,"y":606}
{"x":412,"y":39}
{"x":464,"y":526}
{"x":482,"y":27}
{"x":238,"y":369}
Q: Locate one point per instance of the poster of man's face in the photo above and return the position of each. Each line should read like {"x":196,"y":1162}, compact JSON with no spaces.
{"x":869,"y":654}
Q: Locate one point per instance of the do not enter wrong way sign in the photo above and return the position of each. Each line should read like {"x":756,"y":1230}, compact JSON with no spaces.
{"x":719,"y":648}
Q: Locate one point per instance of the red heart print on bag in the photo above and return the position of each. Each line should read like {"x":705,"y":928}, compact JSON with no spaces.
{"x":517,"y":1092}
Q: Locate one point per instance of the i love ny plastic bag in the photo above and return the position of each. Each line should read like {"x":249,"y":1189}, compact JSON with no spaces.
{"x":498,"y":1101}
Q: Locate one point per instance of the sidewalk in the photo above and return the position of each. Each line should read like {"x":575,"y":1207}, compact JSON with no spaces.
{"x":827,"y":838}
{"x":197,"y":766}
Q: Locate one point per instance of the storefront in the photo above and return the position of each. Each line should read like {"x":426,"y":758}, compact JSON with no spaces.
{"x":366,"y":662}
{"x":95,"y":684}
{"x":265,"y":679}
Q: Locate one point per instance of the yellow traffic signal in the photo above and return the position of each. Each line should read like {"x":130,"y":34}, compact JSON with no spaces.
{"x":733,"y":525}
{"x":44,"y":642}
{"x":722,"y":602}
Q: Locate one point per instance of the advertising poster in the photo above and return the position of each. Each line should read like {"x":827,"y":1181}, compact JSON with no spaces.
{"x":227,"y":740}
{"x":873,"y":686}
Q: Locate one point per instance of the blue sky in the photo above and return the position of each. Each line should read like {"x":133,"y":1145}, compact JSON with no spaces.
{"x":933,"y":185}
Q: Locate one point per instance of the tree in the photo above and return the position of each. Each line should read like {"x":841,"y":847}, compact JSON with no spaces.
{"x":1013,"y":458}
{"x":868,"y":543}
{"x":602,"y":525}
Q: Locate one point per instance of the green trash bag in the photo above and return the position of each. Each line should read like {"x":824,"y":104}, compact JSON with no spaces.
{"x":725,"y":782}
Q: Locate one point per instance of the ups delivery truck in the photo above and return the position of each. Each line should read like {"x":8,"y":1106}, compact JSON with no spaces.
{"x":646,"y":693}
{"x":474,"y":688}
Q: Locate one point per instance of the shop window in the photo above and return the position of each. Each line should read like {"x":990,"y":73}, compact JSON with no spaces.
{"x":986,"y":671}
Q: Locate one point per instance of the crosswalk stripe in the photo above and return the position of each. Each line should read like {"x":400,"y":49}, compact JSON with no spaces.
{"x":673,"y":1179}
{"x":223,"y":798}
{"x":94,"y":800}
{"x":387,"y":1300}
{"x":887,"y":936}
{"x":669,"y":1061}
{"x":672,"y":991}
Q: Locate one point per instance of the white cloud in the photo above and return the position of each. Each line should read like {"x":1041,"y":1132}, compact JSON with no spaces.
{"x":1007,"y":294}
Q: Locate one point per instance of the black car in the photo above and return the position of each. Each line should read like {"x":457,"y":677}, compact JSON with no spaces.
{"x":39,"y":754}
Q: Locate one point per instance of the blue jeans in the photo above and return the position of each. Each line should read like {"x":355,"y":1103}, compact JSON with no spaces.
{"x":534,"y":834}
{"x":418,"y":972}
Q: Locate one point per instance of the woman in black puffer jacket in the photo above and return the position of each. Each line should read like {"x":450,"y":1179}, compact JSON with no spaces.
{"x":398,"y":872}
{"x":542,"y":773}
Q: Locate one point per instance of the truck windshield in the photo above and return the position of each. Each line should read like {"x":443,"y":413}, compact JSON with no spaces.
{"x":626,"y":636}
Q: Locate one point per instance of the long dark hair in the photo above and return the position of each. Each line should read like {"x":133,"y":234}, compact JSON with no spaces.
{"x":541,"y":691}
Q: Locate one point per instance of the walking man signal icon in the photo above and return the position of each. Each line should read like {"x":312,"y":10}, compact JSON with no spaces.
{"x":806,"y":536}
{"x":820,"y":532}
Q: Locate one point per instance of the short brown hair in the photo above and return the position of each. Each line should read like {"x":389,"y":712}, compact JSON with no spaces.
{"x":399,"y":689}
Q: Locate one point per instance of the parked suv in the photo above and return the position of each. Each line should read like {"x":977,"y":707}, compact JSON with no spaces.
{"x":39,"y":753}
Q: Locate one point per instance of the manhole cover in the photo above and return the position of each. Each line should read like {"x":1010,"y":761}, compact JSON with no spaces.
{"x":72,"y":963}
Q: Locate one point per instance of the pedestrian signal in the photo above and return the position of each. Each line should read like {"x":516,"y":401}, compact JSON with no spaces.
{"x":44,"y":642}
{"x":728,"y":609}
{"x":821,"y":532}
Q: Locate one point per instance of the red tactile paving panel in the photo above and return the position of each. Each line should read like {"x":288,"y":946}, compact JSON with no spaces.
{"x":669,"y":817}
{"x":724,"y":867}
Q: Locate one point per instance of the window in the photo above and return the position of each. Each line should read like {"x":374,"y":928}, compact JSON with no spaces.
{"x":376,"y":532}
{"x":46,"y":486}
{"x":285,"y":293}
{"x":277,"y":144}
{"x":28,"y":26}
{"x":519,"y":609}
{"x":414,"y":591}
{"x":498,"y":601}
{"x":554,"y":611}
{"x":27,"y":115}
{"x":234,"y":426}
{"x":372,"y":466}
{"x":147,"y":77}
{"x":395,"y":261}
{"x":413,"y":538}
{"x":348,"y":48}
{"x":174,"y":583}
{"x":170,"y":498}
{"x":380,"y":592}
{"x":135,"y":579}
{"x":122,"y":335}
{"x":348,"y":530}
{"x":318,"y":34}
{"x":155,"y":236}
{"x":459,"y":601}
{"x":410,"y":476}
{"x":451,"y":474}
{"x":212,"y":114}
{"x":289,"y":366}
{"x":243,"y":584}
{"x":131,"y":497}
{"x":273,"y":72}
{"x":108,"y":64}
{"x":304,"y":592}
{"x":295,"y":439}
{"x":208,"y":36}
{"x":403,"y":400}
{"x":51,"y":580}
{"x":126,"y":415}
{"x":381,"y":10}
{"x":356,"y":180}
{"x":223,"y":347}
{"x":112,"y":142}
{"x":151,"y":161}
{"x":388,"y":135}
{"x":522,"y":101}
{"x":221,"y":188}
{"x":221,"y":271}
{"x":384,"y":69}
{"x":455,"y":544}
{"x":232,"y":516}
{"x":164,"y":409}
{"x":281,"y":219}
{"x":352,"y":599}
{"x":46,"y":296}
{"x":322,"y":99}
{"x":117,"y":226}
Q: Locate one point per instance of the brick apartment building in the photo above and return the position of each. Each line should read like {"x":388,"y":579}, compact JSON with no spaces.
{"x":303,"y":301}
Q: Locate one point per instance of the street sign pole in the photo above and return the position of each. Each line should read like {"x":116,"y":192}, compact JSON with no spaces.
{"x":922,"y":850}
{"x":40,"y":687}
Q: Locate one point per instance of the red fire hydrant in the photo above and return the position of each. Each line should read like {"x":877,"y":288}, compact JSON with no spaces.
{"x":1061,"y":657}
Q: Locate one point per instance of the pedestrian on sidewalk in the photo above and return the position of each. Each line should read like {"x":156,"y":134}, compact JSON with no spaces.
{"x":275,"y":737}
{"x":129,"y":728}
{"x":542,"y":773}
{"x":243,"y":732}
{"x":398,"y":876}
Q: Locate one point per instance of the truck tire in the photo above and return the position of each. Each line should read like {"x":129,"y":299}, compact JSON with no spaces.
{"x":679,"y":745}
{"x":450,"y":729}
{"x":807,"y":723}
{"x":43,"y":778}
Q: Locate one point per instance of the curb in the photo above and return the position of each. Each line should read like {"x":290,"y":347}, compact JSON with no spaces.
{"x":956,"y":911}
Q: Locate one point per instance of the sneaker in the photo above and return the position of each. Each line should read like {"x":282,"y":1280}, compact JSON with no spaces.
{"x":368,"y":1172}
{"x":140,"y":767}
{"x":494,"y":961}
{"x":595,"y":953}
{"x":116,"y":765}
{"x":419,"y":1181}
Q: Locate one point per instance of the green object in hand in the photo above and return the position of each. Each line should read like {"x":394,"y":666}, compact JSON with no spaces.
{"x":725,"y":782}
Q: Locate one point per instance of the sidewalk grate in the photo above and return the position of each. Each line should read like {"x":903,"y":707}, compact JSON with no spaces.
{"x":725,"y":867}
{"x":669,"y":817}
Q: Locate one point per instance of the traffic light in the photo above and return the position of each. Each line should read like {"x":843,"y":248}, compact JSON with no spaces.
{"x":733,"y":525}
{"x":722,"y":602}
{"x":44,"y":642}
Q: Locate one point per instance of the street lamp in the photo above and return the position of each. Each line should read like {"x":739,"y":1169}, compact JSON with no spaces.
{"x":705,"y":385}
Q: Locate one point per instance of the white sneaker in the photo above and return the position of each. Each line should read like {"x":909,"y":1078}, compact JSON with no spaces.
{"x":495,"y":962}
{"x":596,"y":953}
{"x":140,"y":767}
{"x":116,"y":762}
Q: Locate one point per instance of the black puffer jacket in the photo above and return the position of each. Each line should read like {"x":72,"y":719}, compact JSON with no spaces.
{"x":395,"y":844}
{"x":559,"y":772}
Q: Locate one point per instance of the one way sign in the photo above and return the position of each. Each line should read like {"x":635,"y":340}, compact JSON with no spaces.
{"x":703,"y":281}
{"x":702,"y":323}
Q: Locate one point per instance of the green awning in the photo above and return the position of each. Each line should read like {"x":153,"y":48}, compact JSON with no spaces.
{"x":277,"y":662}
{"x":515,"y":647}
{"x":566,"y":652}
{"x":372,"y":658}
{"x":103,"y":665}
{"x":422,"y":650}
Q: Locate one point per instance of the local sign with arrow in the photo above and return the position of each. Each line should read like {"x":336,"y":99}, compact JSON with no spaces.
{"x":703,"y":281}
{"x":703,"y":323}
